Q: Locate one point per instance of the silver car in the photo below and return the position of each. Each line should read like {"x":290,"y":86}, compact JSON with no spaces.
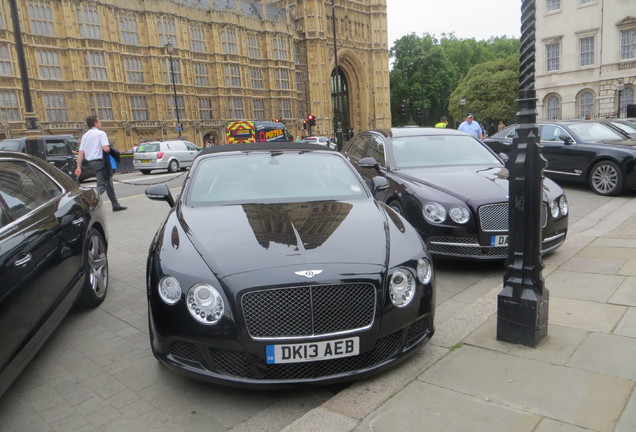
{"x":321,"y":140}
{"x":168,"y":155}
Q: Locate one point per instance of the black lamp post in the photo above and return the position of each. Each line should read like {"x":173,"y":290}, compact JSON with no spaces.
{"x":522,"y":306}
{"x":31,"y":117}
{"x":337,"y":132}
{"x":170,"y":48}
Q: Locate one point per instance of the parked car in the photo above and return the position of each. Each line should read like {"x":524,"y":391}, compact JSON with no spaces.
{"x":58,"y":150}
{"x":168,"y":155}
{"x":452,"y":189}
{"x":275,"y":267}
{"x":53,"y":244}
{"x":625,"y":126}
{"x":581,"y":151}
{"x":320,"y":140}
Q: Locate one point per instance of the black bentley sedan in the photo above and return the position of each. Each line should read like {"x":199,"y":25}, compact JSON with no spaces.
{"x":452,"y":189}
{"x":582,"y":151}
{"x":53,"y":243}
{"x":276,"y":267}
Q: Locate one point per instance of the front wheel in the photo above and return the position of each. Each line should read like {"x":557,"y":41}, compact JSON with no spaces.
{"x":606,"y":178}
{"x":397,"y":207}
{"x":96,"y":263}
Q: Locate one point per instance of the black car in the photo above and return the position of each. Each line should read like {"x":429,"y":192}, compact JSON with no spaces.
{"x":582,"y":151}
{"x":53,"y":243}
{"x":452,"y":189}
{"x":58,"y":150}
{"x":276,"y":267}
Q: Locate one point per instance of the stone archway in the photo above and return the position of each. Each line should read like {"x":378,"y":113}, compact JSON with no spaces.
{"x":339,"y":87}
{"x":359,"y":103}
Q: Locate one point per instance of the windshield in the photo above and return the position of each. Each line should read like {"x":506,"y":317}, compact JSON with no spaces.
{"x":12,"y":145}
{"x":148,"y":147}
{"x":431,"y":151}
{"x":272,"y":177}
{"x":595,"y":132}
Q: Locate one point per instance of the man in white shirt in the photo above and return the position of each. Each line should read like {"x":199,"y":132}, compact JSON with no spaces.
{"x":92,"y":147}
{"x":472,"y":127}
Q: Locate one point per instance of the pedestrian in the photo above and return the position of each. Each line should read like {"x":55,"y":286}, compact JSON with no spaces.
{"x":501,"y":126}
{"x":443,"y":122}
{"x":471,"y":127}
{"x":492,"y":129}
{"x":95,"y":148}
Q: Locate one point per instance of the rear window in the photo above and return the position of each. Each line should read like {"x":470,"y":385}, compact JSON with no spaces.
{"x":152,"y":147}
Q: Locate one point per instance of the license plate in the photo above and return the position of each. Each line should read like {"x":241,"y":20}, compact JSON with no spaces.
{"x":499,"y":240}
{"x":312,"y":351}
{"x":145,"y":161}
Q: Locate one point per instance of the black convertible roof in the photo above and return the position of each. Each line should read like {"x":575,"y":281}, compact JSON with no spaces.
{"x":263,"y":146}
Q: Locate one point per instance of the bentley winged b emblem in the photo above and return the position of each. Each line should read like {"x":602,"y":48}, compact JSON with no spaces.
{"x":308,"y":273}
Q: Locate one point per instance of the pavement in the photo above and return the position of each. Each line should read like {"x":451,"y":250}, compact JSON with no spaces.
{"x":581,"y":377}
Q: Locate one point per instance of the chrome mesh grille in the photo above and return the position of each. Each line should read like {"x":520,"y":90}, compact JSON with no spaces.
{"x":308,"y":311}
{"x":494,"y":217}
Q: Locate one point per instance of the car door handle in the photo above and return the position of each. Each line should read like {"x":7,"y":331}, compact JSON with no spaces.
{"x":22,"y":261}
{"x":78,"y":221}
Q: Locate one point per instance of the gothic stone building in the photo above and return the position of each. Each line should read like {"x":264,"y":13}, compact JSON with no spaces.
{"x":230,"y":60}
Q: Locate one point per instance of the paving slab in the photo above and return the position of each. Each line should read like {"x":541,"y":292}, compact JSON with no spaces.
{"x":583,"y":286}
{"x":609,"y":252}
{"x":557,"y":348}
{"x":586,"y":315}
{"x":607,"y":354}
{"x":627,"y":422}
{"x":593,"y":265}
{"x":628,"y":269}
{"x":626,"y":293}
{"x":574,"y":396}
{"x":549,"y":425}
{"x":627,"y":325}
{"x":426,"y":407}
{"x":321,"y":420}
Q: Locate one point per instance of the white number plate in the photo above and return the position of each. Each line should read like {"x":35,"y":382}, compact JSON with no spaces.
{"x":313,"y":351}
{"x":499,"y":240}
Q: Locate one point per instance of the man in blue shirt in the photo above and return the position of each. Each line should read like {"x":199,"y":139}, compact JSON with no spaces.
{"x":471,"y":126}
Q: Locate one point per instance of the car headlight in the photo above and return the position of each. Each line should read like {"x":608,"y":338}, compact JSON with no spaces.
{"x":434,"y":212}
{"x":555,"y":211}
{"x":402,"y":287}
{"x":459,"y":215}
{"x":564,"y":206}
{"x":205,"y":303}
{"x":169,"y":290}
{"x":424,"y":270}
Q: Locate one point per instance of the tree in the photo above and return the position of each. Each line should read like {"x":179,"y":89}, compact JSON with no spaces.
{"x":491,"y":91}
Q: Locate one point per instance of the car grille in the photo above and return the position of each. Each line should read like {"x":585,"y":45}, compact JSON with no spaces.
{"x":309,"y":311}
{"x":242,"y":365}
{"x":470,"y":247}
{"x":494,"y":217}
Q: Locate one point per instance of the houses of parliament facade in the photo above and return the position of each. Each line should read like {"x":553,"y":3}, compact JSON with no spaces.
{"x":153,"y":69}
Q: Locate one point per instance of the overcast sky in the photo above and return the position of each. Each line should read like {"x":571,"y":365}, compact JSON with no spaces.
{"x":479,"y":19}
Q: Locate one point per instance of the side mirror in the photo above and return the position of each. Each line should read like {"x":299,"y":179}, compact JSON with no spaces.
{"x":368,"y":162}
{"x":379,"y":183}
{"x":160,"y":192}
{"x":504,"y":157}
{"x":566,"y":139}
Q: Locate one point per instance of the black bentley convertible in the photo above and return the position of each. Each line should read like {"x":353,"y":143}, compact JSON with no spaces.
{"x":276,"y":266}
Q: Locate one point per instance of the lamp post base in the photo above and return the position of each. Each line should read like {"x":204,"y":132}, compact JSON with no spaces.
{"x":522,"y":320}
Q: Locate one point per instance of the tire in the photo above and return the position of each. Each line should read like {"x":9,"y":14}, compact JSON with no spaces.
{"x":397,"y":207}
{"x":606,"y":178}
{"x":173,"y":166}
{"x":145,"y":172}
{"x":96,"y":261}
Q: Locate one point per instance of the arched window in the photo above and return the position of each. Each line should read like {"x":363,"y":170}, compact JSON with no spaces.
{"x":586,"y":104}
{"x":340,"y":100}
{"x":553,"y":107}
{"x":626,"y":97}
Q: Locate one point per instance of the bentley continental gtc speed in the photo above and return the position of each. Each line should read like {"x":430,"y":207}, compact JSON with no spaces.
{"x":452,"y":189}
{"x":53,"y":243}
{"x":276,"y":267}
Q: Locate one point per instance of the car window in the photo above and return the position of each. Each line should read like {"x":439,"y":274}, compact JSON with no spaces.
{"x":272,"y":177}
{"x":376,"y":149}
{"x":191,"y":146}
{"x":355,"y":148}
{"x":426,"y":151}
{"x":13,"y":145}
{"x":595,"y":131}
{"x":148,"y":147}
{"x":21,"y":188}
{"x":552,"y":133}
{"x":58,"y":148}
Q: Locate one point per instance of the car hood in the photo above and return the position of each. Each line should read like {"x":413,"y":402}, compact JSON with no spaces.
{"x":482,"y":183}
{"x":241,"y":238}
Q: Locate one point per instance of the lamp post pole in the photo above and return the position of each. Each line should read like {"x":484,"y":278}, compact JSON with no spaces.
{"x":337,"y":132}
{"x":170,"y":47}
{"x":522,"y":305}
{"x":31,"y":116}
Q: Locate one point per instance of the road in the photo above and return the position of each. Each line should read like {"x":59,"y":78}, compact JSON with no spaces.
{"x":97,"y":372}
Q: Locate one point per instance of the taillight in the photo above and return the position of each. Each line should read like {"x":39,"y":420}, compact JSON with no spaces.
{"x":159,"y":155}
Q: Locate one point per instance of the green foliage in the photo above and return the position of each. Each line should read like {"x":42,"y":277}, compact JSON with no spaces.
{"x":427,"y":71}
